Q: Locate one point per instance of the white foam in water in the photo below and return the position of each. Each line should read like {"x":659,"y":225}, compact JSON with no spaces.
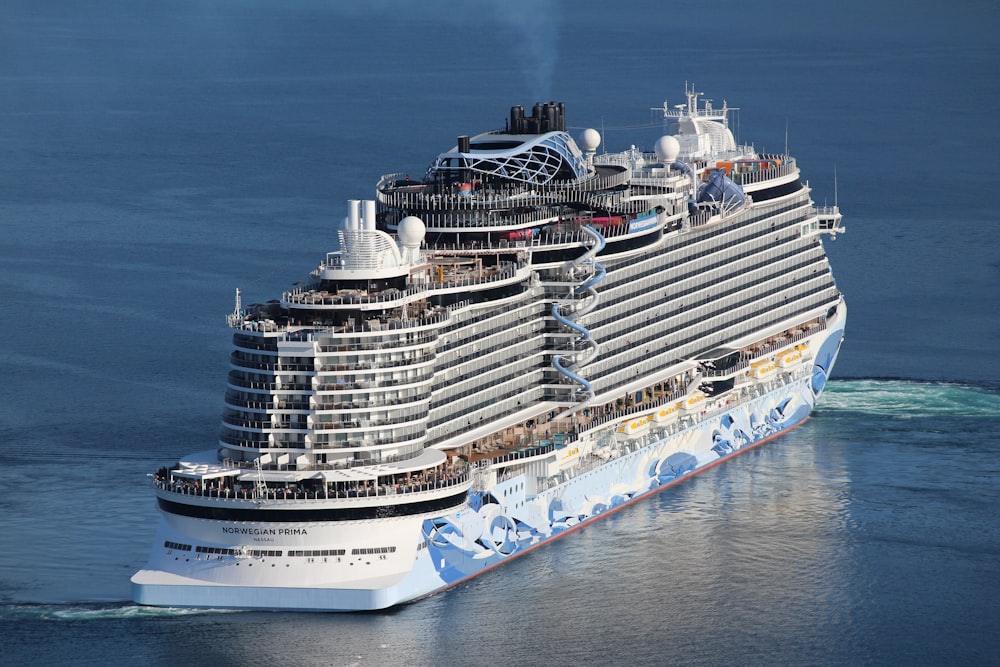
{"x":83,"y":612}
{"x":907,"y":399}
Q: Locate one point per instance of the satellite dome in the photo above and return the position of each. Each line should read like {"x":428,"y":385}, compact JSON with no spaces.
{"x":667,"y":149}
{"x":590,"y":139}
{"x":411,"y":231}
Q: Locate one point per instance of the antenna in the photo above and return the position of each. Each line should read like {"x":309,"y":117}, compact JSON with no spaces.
{"x":239,"y":302}
{"x":835,"y":197}
{"x":786,"y":136}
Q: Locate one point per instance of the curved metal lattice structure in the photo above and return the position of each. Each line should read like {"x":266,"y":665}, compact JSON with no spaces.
{"x":543,"y":159}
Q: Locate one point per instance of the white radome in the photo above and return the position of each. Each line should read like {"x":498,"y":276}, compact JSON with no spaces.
{"x":590,"y":139}
{"x":667,"y":148}
{"x":411,"y":231}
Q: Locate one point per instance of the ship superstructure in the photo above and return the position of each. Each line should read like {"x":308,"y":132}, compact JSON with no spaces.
{"x":523,"y":339}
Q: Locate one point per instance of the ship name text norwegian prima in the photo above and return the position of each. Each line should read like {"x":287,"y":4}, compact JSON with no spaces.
{"x":529,"y":337}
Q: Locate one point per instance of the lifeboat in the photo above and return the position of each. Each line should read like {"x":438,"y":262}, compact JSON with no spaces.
{"x":635,"y":426}
{"x":666,"y":413}
{"x":694,"y":402}
{"x":789,"y":357}
{"x":761,"y":370}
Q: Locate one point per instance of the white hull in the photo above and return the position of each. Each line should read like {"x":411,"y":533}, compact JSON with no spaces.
{"x":435,"y":552}
{"x":527,"y":339}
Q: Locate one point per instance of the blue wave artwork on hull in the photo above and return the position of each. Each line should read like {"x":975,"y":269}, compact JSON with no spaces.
{"x":484,"y":534}
{"x":727,"y":439}
{"x":777,"y":414}
{"x":825,"y":358}
{"x":676,"y":465}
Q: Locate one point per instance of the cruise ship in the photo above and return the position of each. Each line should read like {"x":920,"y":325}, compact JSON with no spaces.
{"x":526,"y":338}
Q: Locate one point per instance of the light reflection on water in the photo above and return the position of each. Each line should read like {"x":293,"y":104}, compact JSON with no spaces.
{"x":824,"y":545}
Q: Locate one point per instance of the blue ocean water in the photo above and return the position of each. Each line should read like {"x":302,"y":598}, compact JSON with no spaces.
{"x":156,"y":157}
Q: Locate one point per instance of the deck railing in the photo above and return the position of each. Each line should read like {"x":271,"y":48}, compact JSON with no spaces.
{"x":341,"y":490}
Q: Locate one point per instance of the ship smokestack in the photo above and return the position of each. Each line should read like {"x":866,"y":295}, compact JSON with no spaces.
{"x":517,"y":119}
{"x":370,"y":214}
{"x":353,"y":222}
{"x":536,"y":119}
